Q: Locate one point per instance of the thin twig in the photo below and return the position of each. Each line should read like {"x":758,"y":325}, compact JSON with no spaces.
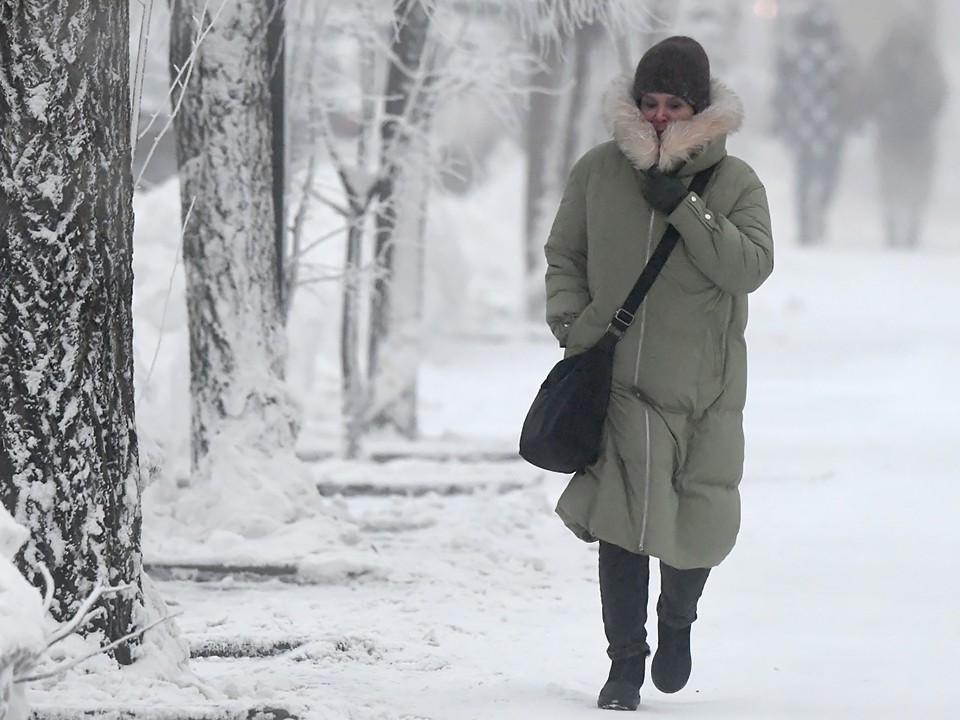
{"x":320,"y":240}
{"x":339,"y":209}
{"x":61,"y":669}
{"x":296,"y":234}
{"x":138,"y":73}
{"x":83,"y":612}
{"x":189,"y":65}
{"x":166,"y":300}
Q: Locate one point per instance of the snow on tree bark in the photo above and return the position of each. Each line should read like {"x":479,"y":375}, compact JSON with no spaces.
{"x":68,"y":444}
{"x":224,"y":140}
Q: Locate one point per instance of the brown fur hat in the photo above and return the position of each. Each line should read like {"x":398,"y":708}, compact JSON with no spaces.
{"x":679,"y":66}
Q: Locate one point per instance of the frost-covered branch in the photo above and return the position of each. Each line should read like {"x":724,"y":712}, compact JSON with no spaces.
{"x":552,"y":19}
{"x":290,"y":264}
{"x":320,"y":240}
{"x":376,"y":96}
{"x":334,"y":274}
{"x":69,"y":665}
{"x":166,"y":299}
{"x":24,"y":669}
{"x":83,"y":612}
{"x":138,"y":72}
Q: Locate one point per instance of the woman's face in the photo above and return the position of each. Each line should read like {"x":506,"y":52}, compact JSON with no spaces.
{"x":659,"y":109}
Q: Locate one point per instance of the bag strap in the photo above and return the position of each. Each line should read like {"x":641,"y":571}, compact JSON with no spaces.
{"x":623,"y":318}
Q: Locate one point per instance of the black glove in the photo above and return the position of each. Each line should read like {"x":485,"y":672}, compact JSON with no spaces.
{"x":664,"y":192}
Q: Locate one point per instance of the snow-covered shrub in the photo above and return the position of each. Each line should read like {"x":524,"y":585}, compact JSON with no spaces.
{"x":21,"y":622}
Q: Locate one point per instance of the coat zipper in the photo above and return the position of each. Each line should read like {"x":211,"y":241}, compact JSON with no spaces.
{"x":646,"y":480}
{"x":646,"y":411}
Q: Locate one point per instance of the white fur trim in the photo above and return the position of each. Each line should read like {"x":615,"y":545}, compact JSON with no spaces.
{"x":682,"y":139}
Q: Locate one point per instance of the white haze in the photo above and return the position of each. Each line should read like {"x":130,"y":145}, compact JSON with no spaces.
{"x":837,"y":602}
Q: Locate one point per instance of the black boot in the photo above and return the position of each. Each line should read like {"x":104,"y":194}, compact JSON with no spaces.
{"x":624,"y":577}
{"x":680,"y":590}
{"x":670,"y":668}
{"x":622,"y":689}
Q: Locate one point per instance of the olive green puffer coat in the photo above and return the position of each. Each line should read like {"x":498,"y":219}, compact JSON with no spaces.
{"x":666,"y":482}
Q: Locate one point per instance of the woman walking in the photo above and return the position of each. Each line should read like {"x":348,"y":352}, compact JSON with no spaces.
{"x":665,"y":484}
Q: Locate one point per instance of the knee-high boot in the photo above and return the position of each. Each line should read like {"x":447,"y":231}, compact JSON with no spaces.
{"x":680,"y":590}
{"x":624,"y":583}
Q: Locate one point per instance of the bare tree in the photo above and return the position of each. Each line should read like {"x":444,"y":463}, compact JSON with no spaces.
{"x":405,"y":115}
{"x":68,"y":443}
{"x":384,"y":177}
{"x":543,"y":132}
{"x":563,"y":35}
{"x":370,"y":103}
{"x":225,"y":138}
{"x":553,"y":135}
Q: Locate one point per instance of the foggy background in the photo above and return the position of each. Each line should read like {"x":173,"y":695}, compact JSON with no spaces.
{"x":742,"y":38}
{"x":476,"y":222}
{"x":481,"y":605}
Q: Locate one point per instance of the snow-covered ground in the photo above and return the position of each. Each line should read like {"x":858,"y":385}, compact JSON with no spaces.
{"x":837,"y":603}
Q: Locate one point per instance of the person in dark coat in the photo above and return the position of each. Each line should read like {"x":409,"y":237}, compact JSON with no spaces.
{"x":907,"y":92}
{"x":810,"y":107}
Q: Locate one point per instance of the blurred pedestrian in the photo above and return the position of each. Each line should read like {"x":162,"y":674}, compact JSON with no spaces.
{"x":716,"y":25}
{"x":666,"y":482}
{"x":907,"y":93}
{"x":811,"y":104}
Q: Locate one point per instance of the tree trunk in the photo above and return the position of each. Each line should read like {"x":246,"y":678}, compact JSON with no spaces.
{"x":394,"y":330}
{"x":68,"y":443}
{"x":543,"y":150}
{"x":276,"y":54}
{"x":353,"y":386}
{"x":585,"y":39}
{"x":393,"y":393}
{"x":224,"y":141}
{"x":353,"y":373}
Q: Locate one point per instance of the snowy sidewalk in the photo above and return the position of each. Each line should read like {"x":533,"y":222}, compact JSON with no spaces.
{"x":484,"y":607}
{"x":836,"y":604}
{"x":487,"y":608}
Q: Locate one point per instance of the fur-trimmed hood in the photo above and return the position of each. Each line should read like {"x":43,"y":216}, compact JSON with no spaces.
{"x":682,"y":140}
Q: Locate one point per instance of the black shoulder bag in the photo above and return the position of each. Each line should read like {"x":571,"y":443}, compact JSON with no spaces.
{"x":562,"y":429}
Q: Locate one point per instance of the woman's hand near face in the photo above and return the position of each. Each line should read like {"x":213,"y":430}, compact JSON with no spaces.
{"x":663,"y":192}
